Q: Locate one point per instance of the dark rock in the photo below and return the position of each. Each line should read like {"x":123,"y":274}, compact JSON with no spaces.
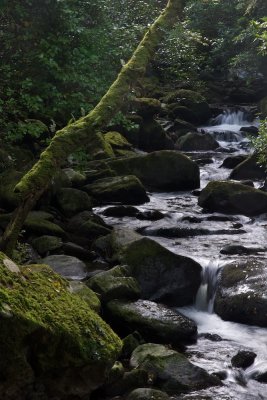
{"x":130,"y":343}
{"x":45,"y":244}
{"x":251,"y":130}
{"x":234,"y":198}
{"x":222,"y":375}
{"x":153,"y":137}
{"x":72,"y":201}
{"x":243,"y":359}
{"x":163,"y":170}
{"x":248,"y":169}
{"x":85,"y":293}
{"x":131,"y":380}
{"x":72,"y":249}
{"x":172,"y":372}
{"x":123,"y":189}
{"x":182,"y":112}
{"x":194,"y":141}
{"x":147,"y":107}
{"x":88,"y":226}
{"x":183,"y":232}
{"x":121,"y":211}
{"x":154,"y":321}
{"x":150,"y":215}
{"x":204,"y":161}
{"x":210,"y":336}
{"x":232,"y":161}
{"x":241,"y":293}
{"x":238,"y":249}
{"x":261,"y":377}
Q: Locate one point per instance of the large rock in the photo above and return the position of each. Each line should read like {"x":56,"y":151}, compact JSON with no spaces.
{"x":45,"y":244}
{"x":154,"y":321}
{"x":52,"y":344}
{"x":147,"y":394}
{"x":232,"y":161}
{"x":234,"y":198}
{"x":194,"y":141}
{"x":162,"y":275}
{"x":171,"y":371}
{"x":248,"y":169}
{"x":152,"y":137}
{"x":162,"y":170}
{"x":241,"y":293}
{"x":67,"y":266}
{"x":72,"y":201}
{"x":114,"y":284}
{"x":123,"y":189}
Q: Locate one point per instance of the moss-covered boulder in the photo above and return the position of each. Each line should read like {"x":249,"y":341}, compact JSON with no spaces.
{"x":152,"y":137}
{"x":124,"y":189}
{"x":192,"y":100}
{"x":46,"y":244}
{"x":35,"y":223}
{"x":87,"y":294}
{"x":155,"y":322}
{"x":115,"y":284}
{"x":72,"y":201}
{"x":161,"y":170}
{"x":146,"y":106}
{"x":194,"y":141}
{"x":171,"y":372}
{"x":76,"y":178}
{"x":8,"y":180}
{"x":234,"y":198}
{"x":162,"y":275}
{"x":181,"y":112}
{"x":119,"y":143}
{"x":99,"y":148}
{"x":52,"y":343}
{"x":248,"y":169}
{"x":241,"y":293}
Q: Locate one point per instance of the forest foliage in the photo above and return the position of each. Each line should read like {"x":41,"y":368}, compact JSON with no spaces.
{"x":59,"y":57}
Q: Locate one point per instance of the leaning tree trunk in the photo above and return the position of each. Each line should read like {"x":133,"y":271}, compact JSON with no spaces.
{"x":73,"y":136}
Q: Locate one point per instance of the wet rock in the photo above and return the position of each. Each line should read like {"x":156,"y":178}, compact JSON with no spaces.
{"x":234,"y":198}
{"x":182,"y":113}
{"x":123,"y":189}
{"x":35,"y":223}
{"x":204,"y":161}
{"x":130,"y":343}
{"x":154,"y":321}
{"x":238,"y":249}
{"x":243,"y":359}
{"x":153,"y":137}
{"x":121,"y":211}
{"x":211,"y":336}
{"x":67,"y":266}
{"x":77,"y":179}
{"x":222,"y":375}
{"x":161,"y":170}
{"x":173,"y":373}
{"x":147,"y":394}
{"x":146,"y":106}
{"x":72,"y":201}
{"x":251,"y":130}
{"x":194,"y":141}
{"x":60,"y":332}
{"x":248,"y":169}
{"x":45,"y":244}
{"x":72,"y":249}
{"x":131,"y":380}
{"x":115,"y":284}
{"x":162,"y":275}
{"x":260,"y":377}
{"x":183,"y":232}
{"x":241,"y":293}
{"x":150,"y":215}
{"x":192,"y":220}
{"x":232,"y":161}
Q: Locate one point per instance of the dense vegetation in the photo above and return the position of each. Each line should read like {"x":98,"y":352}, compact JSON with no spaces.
{"x":59,"y":57}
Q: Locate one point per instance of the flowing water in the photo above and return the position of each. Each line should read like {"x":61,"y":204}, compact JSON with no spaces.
{"x":177,"y":232}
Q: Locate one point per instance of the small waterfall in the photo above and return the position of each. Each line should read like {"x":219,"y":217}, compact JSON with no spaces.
{"x":230,"y":117}
{"x":206,"y":292}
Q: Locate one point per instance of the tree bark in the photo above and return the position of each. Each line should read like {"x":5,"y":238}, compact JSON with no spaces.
{"x":72,"y":137}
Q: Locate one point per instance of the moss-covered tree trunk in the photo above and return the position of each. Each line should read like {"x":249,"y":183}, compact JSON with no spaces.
{"x":73,"y":136}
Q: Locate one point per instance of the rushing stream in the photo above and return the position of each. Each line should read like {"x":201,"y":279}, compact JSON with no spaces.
{"x":177,"y":231}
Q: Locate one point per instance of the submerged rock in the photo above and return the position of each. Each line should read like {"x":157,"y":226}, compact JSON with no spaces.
{"x":161,"y":170}
{"x":51,"y":341}
{"x":241,"y":293}
{"x":154,"y":321}
{"x":233,"y":198}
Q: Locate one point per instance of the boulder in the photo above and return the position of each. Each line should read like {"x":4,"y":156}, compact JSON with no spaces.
{"x":243,"y":359}
{"x":232,"y":161}
{"x":147,"y":107}
{"x":248,"y":169}
{"x":45,"y":244}
{"x":53,"y":345}
{"x":233,"y":198}
{"x":87,"y":226}
{"x":181,"y":112}
{"x":37,"y":224}
{"x":251,"y":130}
{"x":154,"y":321}
{"x":119,"y":144}
{"x":161,"y":170}
{"x":72,"y":201}
{"x":87,"y":294}
{"x":67,"y":266}
{"x":147,"y":394}
{"x":162,"y":275}
{"x":172,"y":372}
{"x":115,"y":284}
{"x":131,"y":380}
{"x":76,"y":178}
{"x":241,"y":293}
{"x":152,"y":137}
{"x":194,"y":141}
{"x":123,"y":189}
